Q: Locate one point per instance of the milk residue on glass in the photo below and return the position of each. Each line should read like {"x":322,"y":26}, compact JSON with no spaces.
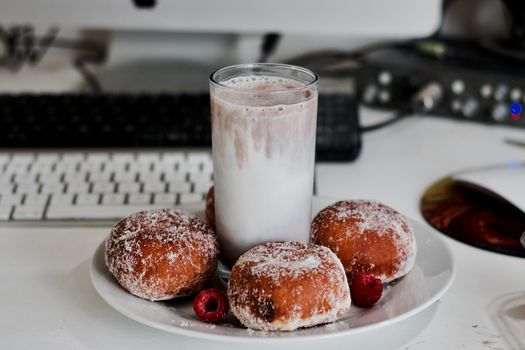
{"x":263,"y":133}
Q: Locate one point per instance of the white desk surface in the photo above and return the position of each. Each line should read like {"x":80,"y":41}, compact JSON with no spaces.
{"x":47,"y":300}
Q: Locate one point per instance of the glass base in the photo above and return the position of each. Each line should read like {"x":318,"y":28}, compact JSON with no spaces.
{"x":223,"y":272}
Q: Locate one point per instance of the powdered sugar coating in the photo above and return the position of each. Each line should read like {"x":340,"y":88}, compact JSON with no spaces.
{"x":282,"y":286}
{"x":161,"y":254}
{"x":367,"y":236}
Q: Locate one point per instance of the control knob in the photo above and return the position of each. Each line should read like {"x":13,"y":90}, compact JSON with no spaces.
{"x":470,"y":108}
{"x":499,"y":112}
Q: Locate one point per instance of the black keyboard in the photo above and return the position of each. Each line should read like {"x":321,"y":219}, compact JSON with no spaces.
{"x":149,"y":121}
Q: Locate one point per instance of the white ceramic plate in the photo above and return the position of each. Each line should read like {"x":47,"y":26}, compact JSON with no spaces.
{"x":427,"y":282}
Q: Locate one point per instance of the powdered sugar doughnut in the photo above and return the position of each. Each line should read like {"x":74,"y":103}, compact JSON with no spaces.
{"x":282,"y":286}
{"x":367,"y":236}
{"x":161,"y":254}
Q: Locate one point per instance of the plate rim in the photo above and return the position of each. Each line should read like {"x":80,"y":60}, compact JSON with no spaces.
{"x":174,"y":329}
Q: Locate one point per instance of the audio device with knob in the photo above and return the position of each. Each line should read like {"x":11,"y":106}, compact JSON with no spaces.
{"x":471,"y":91}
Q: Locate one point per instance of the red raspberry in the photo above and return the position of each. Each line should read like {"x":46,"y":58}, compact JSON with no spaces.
{"x":211,"y":306}
{"x":365,"y":290}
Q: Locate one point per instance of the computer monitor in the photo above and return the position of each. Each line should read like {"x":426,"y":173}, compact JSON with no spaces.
{"x":379,"y":18}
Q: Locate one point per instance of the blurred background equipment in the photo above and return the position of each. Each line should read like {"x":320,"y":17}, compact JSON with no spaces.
{"x":149,"y":121}
{"x":136,"y":133}
{"x":183,"y":54}
{"x":145,"y":67}
{"x":333,"y":17}
{"x":480,"y":66}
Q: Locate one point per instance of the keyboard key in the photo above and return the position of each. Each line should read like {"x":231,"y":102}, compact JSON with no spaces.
{"x":113,"y":198}
{"x":104,"y":176}
{"x":188,"y":167}
{"x":139,"y":198}
{"x":40,"y":166}
{"x":78,"y":187}
{"x":73,"y":157}
{"x":75,"y":180}
{"x":28,"y":188}
{"x":136,"y":167}
{"x":175,"y":157}
{"x":22,"y":158}
{"x":185,"y":198}
{"x":179,"y":186}
{"x":149,"y":176}
{"x":174,"y":177}
{"x":90,"y":167}
{"x":75,"y":176}
{"x":87,"y":199}
{"x":202,"y":187}
{"x":123,"y":157}
{"x":207,"y":167}
{"x":103,"y":187}
{"x":199,"y":157}
{"x":125,"y":176}
{"x":5,"y":178}
{"x":28,"y":213}
{"x":14,"y":199}
{"x":164,"y":167}
{"x":164,"y":198}
{"x":7,"y":189}
{"x":35,"y":200}
{"x":97,"y":158}
{"x":154,"y":187}
{"x":148,"y":157}
{"x":115,"y":167}
{"x":50,"y":178}
{"x":47,"y":157}
{"x":62,"y":199}
{"x":4,"y":158}
{"x":52,"y":188}
{"x":25,"y":178}
{"x":5,"y":212}
{"x":13,"y":168}
{"x":199,"y":177}
{"x":66,"y":167}
{"x":129,"y":187}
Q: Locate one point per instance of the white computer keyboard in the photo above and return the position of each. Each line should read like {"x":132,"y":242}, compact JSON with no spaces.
{"x":58,"y":186}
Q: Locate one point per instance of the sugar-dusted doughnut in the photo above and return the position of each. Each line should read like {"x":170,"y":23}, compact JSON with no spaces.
{"x":367,"y":236}
{"x":282,"y":286}
{"x":161,"y":254}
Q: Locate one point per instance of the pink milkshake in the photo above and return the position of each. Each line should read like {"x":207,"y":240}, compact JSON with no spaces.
{"x":263,"y":136}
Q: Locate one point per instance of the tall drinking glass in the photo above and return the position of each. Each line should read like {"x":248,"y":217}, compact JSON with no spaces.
{"x":263,"y":136}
